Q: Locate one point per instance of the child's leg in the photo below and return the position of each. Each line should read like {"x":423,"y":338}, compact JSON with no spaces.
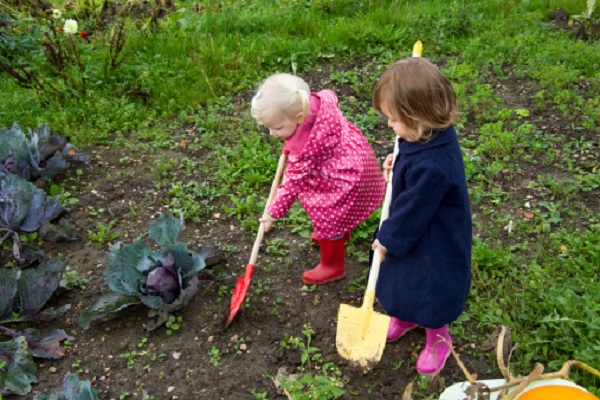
{"x":398,"y":328}
{"x":332,"y":267}
{"x":317,"y":241}
{"x":437,"y":350}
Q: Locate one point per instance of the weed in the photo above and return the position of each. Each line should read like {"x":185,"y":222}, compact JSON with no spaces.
{"x":173,"y":324}
{"x":277,"y":247}
{"x":259,"y":396}
{"x":73,"y":281}
{"x":77,"y":367}
{"x":193,"y":199}
{"x":129,"y":357}
{"x":215,"y":357}
{"x":223,"y":293}
{"x":103,"y":234}
{"x":324,"y":385}
{"x":64,"y":196}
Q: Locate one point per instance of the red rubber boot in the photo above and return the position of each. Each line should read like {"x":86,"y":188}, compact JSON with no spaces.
{"x":433,"y":357}
{"x":332,"y":267}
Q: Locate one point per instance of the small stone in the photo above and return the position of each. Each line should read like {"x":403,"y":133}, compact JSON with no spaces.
{"x":170,"y":389}
{"x":52,"y":369}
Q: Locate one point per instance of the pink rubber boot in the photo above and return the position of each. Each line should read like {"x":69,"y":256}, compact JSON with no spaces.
{"x":398,"y":328}
{"x":433,"y":357}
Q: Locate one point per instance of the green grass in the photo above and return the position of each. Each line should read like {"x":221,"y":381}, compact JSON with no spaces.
{"x":528,"y":100}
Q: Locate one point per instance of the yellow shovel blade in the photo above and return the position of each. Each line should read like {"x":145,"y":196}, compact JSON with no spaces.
{"x":361,"y":335}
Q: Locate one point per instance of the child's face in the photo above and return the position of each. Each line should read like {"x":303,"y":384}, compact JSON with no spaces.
{"x":400,"y":129}
{"x":282,"y":127}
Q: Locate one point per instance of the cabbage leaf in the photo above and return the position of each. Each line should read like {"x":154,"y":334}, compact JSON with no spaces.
{"x":23,"y":294}
{"x":36,"y":154}
{"x":23,"y":209}
{"x":73,"y":389}
{"x":17,"y":368}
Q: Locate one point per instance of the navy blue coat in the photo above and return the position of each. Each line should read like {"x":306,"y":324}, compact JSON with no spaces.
{"x":426,"y":275}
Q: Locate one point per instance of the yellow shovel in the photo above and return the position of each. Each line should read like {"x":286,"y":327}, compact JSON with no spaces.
{"x":361,"y":332}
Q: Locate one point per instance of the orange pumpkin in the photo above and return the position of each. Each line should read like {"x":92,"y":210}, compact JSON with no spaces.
{"x":557,"y":392}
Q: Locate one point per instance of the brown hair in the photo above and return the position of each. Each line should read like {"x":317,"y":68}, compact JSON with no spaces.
{"x":418,"y":95}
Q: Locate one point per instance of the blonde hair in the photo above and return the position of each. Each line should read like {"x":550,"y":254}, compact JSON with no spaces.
{"x":281,"y":94}
{"x":417,"y":94}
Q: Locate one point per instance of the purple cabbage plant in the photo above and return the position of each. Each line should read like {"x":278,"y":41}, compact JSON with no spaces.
{"x":163,"y":280}
{"x":23,"y":295}
{"x":24,"y":209}
{"x":35,"y":155}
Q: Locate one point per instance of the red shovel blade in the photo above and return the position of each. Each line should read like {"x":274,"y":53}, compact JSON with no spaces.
{"x":239,"y":293}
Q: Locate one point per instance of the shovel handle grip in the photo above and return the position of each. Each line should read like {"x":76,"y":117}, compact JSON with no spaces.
{"x":261,"y":228}
{"x":385,"y":213}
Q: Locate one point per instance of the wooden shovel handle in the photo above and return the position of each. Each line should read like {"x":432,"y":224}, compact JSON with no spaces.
{"x":261,"y":228}
{"x":385,"y":212}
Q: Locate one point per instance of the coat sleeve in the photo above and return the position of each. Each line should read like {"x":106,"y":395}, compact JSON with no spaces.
{"x":413,"y":209}
{"x":295,"y":181}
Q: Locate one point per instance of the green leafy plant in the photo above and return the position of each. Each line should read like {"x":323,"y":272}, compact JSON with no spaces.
{"x":35,"y":154}
{"x":25,"y":292}
{"x":17,"y":368}
{"x":324,"y":385}
{"x":103,"y":234}
{"x":164,"y":280}
{"x":52,"y":60}
{"x":215,"y":357}
{"x":173,"y":324}
{"x":72,"y":280}
{"x":23,"y":209}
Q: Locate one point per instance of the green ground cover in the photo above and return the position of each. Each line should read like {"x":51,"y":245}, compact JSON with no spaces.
{"x":528,"y":95}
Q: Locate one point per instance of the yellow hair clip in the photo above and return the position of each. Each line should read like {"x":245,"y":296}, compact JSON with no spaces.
{"x":417,"y":49}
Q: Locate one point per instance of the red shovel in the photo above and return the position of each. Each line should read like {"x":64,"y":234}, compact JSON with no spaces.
{"x":241,"y":286}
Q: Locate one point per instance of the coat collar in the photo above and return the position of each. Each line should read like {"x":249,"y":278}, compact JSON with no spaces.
{"x":444,"y":137}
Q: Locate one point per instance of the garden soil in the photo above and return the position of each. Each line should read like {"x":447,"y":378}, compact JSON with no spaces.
{"x":201,"y":359}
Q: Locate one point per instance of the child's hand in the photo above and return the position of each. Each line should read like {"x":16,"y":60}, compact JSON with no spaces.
{"x":387,"y":167}
{"x":378,"y":247}
{"x":267,"y":220}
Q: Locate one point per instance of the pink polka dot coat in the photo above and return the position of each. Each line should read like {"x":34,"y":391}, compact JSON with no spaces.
{"x":332,"y":169}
